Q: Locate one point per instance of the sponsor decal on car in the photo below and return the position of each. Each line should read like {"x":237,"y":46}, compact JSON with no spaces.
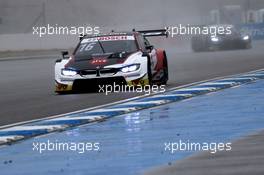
{"x":108,"y":38}
{"x":98,"y":61}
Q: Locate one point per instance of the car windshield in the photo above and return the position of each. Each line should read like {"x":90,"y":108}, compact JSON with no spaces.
{"x":106,"y":44}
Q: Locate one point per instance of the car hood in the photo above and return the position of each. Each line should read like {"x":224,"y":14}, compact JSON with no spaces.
{"x":97,"y":61}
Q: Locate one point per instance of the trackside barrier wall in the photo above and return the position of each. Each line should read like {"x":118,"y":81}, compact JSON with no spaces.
{"x":20,"y":42}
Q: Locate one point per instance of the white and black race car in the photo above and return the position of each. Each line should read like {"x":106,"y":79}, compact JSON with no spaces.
{"x":226,"y":41}
{"x":124,"y":58}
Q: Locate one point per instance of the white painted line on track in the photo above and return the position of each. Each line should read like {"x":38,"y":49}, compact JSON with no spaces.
{"x":113,"y":110}
{"x":10,"y":138}
{"x":196,"y":89}
{"x":145,"y":102}
{"x":239,"y":78}
{"x":172,"y":95}
{"x":253,"y":75}
{"x":95,"y":117}
{"x":218,"y":83}
{"x":37,"y":127}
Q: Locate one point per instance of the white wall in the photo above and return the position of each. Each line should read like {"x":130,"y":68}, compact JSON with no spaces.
{"x":18,"y":16}
{"x":19,"y":42}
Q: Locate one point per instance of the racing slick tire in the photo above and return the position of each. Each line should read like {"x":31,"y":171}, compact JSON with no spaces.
{"x":248,"y":45}
{"x":165,"y":76}
{"x":149,"y":72}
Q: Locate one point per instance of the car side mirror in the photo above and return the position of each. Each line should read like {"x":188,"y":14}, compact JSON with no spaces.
{"x":58,"y":60}
{"x":65,"y":54}
{"x":149,"y":47}
{"x":81,"y":36}
{"x":145,"y":54}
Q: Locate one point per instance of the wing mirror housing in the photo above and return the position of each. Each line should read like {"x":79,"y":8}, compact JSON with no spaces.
{"x":145,"y":54}
{"x":150,"y":47}
{"x":65,"y":54}
{"x":58,"y":60}
{"x":81,"y":36}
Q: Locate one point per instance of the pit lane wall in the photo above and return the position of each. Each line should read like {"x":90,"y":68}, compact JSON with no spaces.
{"x":20,"y":16}
{"x":20,"y":42}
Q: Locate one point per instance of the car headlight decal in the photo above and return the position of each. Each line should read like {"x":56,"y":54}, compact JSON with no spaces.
{"x":130,"y":68}
{"x":214,"y":39}
{"x":246,"y":37}
{"x":68,"y":72}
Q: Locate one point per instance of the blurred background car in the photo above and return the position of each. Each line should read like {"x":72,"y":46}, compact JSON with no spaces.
{"x":224,"y":41}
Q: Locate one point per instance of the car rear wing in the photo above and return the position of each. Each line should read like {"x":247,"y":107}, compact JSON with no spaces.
{"x":150,"y":33}
{"x":145,"y":33}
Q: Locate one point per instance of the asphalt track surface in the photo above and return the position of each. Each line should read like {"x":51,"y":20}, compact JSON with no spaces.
{"x":245,"y":158}
{"x":27,"y":85}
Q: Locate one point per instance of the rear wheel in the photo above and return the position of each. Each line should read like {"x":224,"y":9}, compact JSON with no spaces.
{"x":165,"y":76}
{"x":248,"y":45}
{"x":149,"y":72}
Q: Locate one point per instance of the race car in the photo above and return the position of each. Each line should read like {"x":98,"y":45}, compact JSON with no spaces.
{"x":227,"y":41}
{"x":125,"y":58}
